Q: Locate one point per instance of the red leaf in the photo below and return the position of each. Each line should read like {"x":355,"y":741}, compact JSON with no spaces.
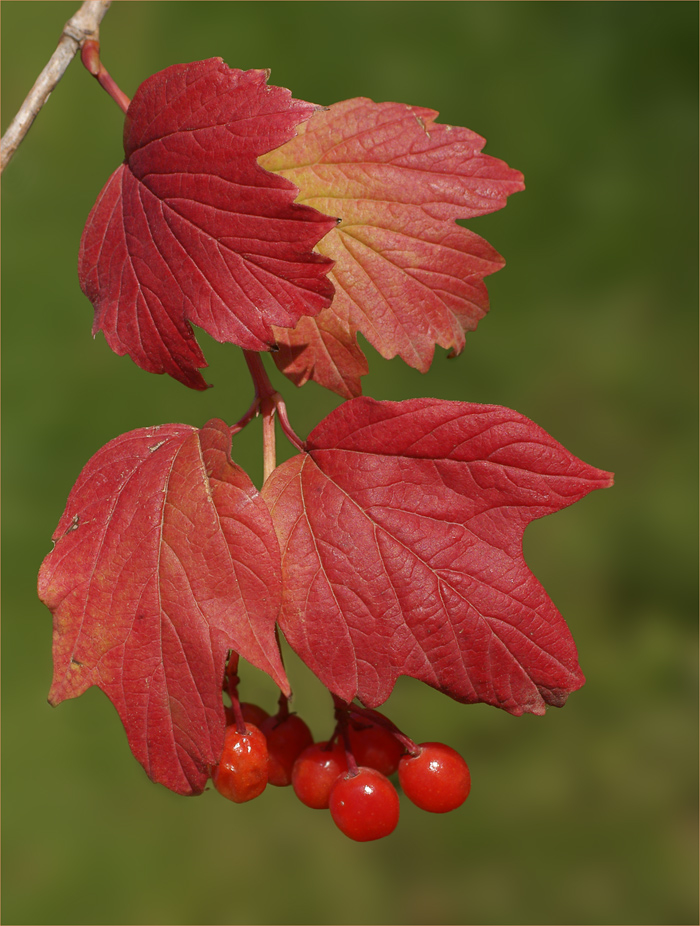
{"x":401,"y":535}
{"x":164,"y":559}
{"x":405,"y":275}
{"x":191,"y":229}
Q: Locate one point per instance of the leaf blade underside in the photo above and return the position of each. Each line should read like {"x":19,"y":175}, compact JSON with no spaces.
{"x":164,"y":560}
{"x":405,"y":275}
{"x":191,"y":229}
{"x":401,"y":536}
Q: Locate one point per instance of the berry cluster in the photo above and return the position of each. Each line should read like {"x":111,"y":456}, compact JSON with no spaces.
{"x":349,"y":774}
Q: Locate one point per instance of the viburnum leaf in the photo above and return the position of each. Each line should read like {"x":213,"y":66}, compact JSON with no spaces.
{"x":164,"y":560}
{"x":191,"y":228}
{"x":406,"y":276}
{"x":401,"y":534}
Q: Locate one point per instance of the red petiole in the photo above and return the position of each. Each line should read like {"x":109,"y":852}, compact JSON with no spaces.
{"x":90,"y":56}
{"x":267,"y":403}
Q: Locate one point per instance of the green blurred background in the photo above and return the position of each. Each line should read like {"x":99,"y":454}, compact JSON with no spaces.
{"x":587,"y":815}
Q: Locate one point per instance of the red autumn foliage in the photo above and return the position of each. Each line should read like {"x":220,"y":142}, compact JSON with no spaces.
{"x":164,"y":560}
{"x":392,"y":544}
{"x":190,"y":229}
{"x":405,"y":274}
{"x":401,"y":534}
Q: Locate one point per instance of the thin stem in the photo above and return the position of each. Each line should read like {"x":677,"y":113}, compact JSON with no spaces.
{"x":84,"y":25}
{"x":252,"y":412}
{"x":342,"y":716}
{"x":289,"y":431}
{"x":238,"y":714}
{"x":282,"y":708}
{"x":261,"y":381}
{"x":232,"y":681}
{"x":375,"y":717}
{"x":267,"y":410}
{"x":232,"y":673}
{"x":268,"y":402}
{"x":264,"y":392}
{"x":90,"y":56}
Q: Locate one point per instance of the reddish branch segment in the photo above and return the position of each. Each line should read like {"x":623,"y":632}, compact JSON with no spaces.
{"x":90,"y":56}
{"x":401,"y":535}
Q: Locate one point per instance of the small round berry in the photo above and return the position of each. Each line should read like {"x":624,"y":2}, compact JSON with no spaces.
{"x":315,"y":772}
{"x":365,"y":805}
{"x":436,"y":779}
{"x":252,"y":713}
{"x":241,"y":773}
{"x":375,"y":746}
{"x":287,"y":737}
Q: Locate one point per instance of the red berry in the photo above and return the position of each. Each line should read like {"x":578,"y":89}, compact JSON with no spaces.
{"x":315,"y":772}
{"x":364,"y":806}
{"x":251,"y":714}
{"x":287,"y":737}
{"x":375,"y":746}
{"x":241,"y":773}
{"x":436,"y":779}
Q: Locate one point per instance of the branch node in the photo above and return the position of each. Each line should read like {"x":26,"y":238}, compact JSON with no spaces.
{"x":75,"y":33}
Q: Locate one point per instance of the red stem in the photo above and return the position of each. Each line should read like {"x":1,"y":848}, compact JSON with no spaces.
{"x":261,"y":381}
{"x":342,"y":715}
{"x":232,"y":672}
{"x":232,"y":681}
{"x":90,"y":56}
{"x":238,"y":715}
{"x":267,"y":410}
{"x":380,"y":720}
{"x":268,"y":402}
{"x":283,"y":708}
{"x":289,"y":431}
{"x":247,"y":418}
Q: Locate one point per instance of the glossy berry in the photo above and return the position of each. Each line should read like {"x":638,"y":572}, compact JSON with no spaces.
{"x":316,"y":771}
{"x":241,"y":773}
{"x":436,"y":779}
{"x":375,"y":746}
{"x":252,"y":713}
{"x":287,"y":737}
{"x":364,"y":806}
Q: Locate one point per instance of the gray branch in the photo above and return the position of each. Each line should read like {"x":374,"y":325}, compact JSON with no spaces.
{"x":79,"y":28}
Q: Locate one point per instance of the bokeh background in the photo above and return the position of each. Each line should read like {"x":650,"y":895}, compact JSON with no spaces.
{"x":587,"y":815}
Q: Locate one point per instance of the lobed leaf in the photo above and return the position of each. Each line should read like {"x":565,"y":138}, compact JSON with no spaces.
{"x":191,"y":229}
{"x":164,"y":560}
{"x":405,"y":275}
{"x":401,"y":534}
